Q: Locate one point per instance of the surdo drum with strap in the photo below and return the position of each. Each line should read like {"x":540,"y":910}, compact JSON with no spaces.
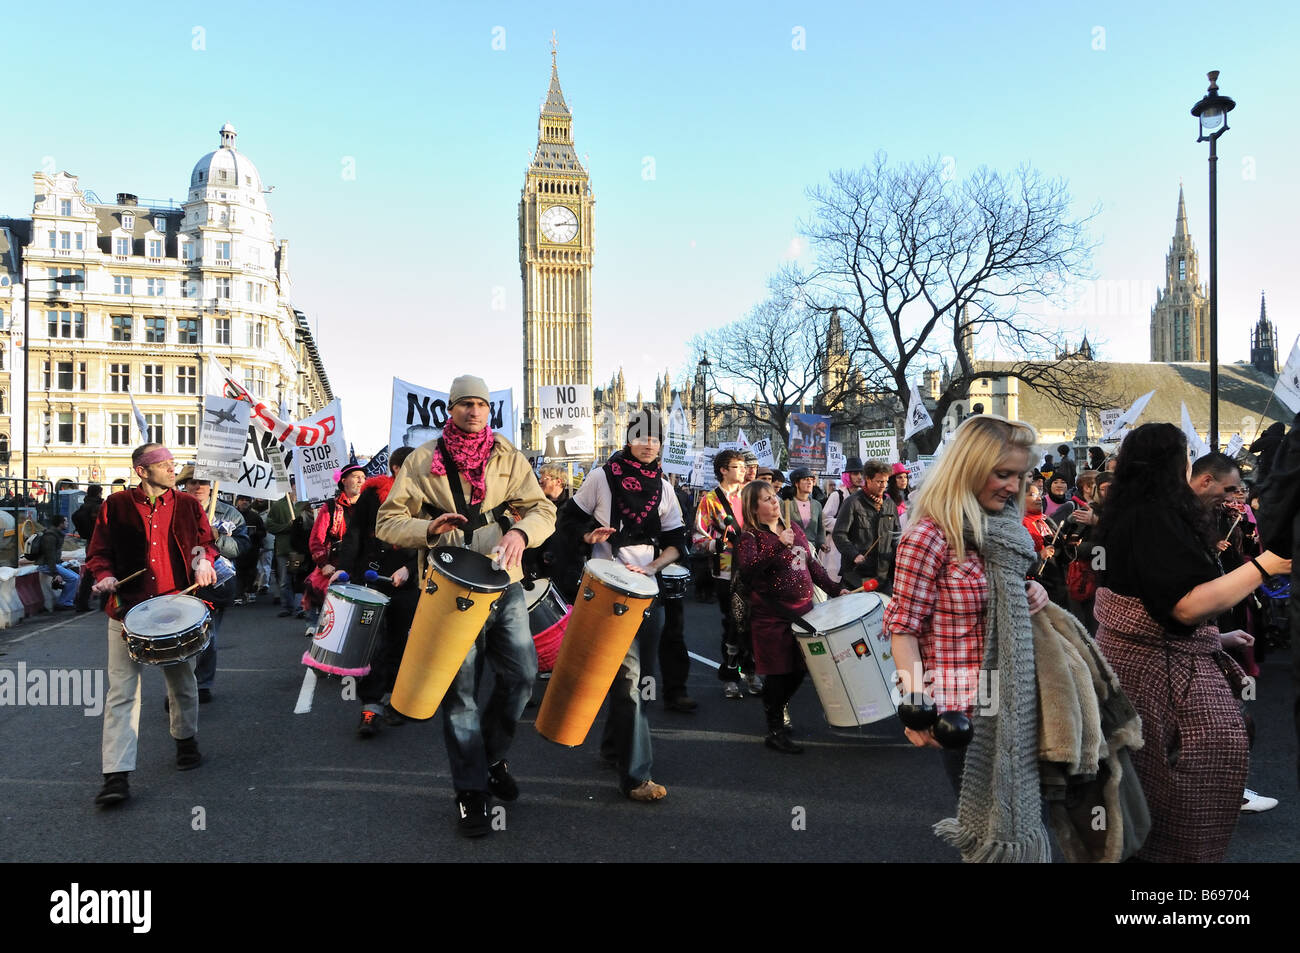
{"x":548,"y":617}
{"x":459,"y":592}
{"x":612,"y":603}
{"x":851,"y":665}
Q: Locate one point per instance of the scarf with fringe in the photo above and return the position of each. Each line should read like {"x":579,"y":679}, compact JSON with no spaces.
{"x":470,"y":452}
{"x":999,"y":813}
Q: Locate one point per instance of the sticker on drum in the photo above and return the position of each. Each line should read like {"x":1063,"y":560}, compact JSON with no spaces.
{"x":622,"y":580}
{"x":469,"y":569}
{"x":853,"y":677}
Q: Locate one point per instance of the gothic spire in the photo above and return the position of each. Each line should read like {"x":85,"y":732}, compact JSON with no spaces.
{"x":1180,"y":221}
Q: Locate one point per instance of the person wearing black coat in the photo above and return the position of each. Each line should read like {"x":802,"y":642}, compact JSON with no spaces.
{"x":83,"y":521}
{"x":361,"y":550}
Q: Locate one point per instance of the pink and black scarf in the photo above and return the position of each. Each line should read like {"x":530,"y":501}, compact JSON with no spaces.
{"x":469,"y":452}
{"x":637,"y":489}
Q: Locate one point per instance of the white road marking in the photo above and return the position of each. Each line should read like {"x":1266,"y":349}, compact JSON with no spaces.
{"x":306,"y":692}
{"x":706,"y":661}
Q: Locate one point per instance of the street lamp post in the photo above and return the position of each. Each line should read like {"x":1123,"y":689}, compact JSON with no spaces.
{"x":703,"y":368}
{"x":27,"y":352}
{"x":1212,"y":112}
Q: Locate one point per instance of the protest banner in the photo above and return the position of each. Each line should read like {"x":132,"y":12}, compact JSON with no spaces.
{"x":878,"y":445}
{"x":420,"y":413}
{"x":835,"y":459}
{"x":378,"y":464}
{"x":567,"y":423}
{"x":223,"y":436}
{"x":678,"y":450}
{"x":702,"y":468}
{"x":314,"y":464}
{"x":764,"y":451}
{"x":809,"y":435}
{"x":262,"y":473}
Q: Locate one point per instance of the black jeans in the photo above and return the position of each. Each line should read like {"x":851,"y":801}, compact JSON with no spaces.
{"x":674,"y":661}
{"x":778,"y":689}
{"x":737,"y":650}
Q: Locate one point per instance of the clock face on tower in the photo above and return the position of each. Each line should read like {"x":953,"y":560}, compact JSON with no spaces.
{"x":559,"y":224}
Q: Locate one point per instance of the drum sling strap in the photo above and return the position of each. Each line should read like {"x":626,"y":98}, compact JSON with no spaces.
{"x":471,"y":512}
{"x":726,"y":508}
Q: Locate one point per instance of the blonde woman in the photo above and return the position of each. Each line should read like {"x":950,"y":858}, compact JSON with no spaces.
{"x":960,"y":612}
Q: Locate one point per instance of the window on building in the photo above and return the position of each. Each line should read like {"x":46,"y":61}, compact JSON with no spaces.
{"x":221,"y":330}
{"x":119,"y":378}
{"x":121,"y":324}
{"x":187,"y":430}
{"x":155,"y":330}
{"x":4,"y":401}
{"x":223,"y":288}
{"x":65,"y":324}
{"x":53,"y":238}
{"x":78,"y":273}
{"x":65,"y":240}
{"x":79,"y":238}
{"x":256,"y":334}
{"x":187,"y":251}
{"x":121,"y":246}
{"x":155,"y":287}
{"x":189,"y":288}
{"x":64,"y":431}
{"x":160,"y":224}
{"x":1182,"y":269}
{"x":223,"y":250}
{"x":128,"y":220}
{"x":65,"y":207}
{"x":121,"y":284}
{"x":187,"y":380}
{"x":155,"y":248}
{"x":153,"y":379}
{"x":187,"y":330}
{"x":155,"y":425}
{"x":119,"y":430}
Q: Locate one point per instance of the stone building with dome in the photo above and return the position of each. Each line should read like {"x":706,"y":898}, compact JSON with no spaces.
{"x":159,"y":286}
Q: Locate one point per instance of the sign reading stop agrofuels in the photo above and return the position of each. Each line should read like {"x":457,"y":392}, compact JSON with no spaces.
{"x":568,"y":426}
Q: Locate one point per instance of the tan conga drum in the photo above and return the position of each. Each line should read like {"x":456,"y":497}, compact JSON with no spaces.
{"x":460,"y":589}
{"x":612,"y":603}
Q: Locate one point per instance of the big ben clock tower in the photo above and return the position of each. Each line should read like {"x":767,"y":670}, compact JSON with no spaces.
{"x":556,"y":242}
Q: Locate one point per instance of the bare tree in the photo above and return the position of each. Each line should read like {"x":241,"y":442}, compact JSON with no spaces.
{"x":773,"y":362}
{"x":925,"y":266}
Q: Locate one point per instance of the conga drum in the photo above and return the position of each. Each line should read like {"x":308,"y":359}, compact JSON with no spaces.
{"x":849,"y":660}
{"x":612,"y":603}
{"x":460,"y":589}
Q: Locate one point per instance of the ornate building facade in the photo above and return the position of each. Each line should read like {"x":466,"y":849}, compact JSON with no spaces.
{"x":151,"y":290}
{"x":1180,"y":320}
{"x":556,"y":246}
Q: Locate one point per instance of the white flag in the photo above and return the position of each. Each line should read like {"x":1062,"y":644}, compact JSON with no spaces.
{"x":140,"y":422}
{"x":1129,"y":416}
{"x":742,"y":440}
{"x":1196,"y":447}
{"x":1287,"y":388}
{"x":217,"y":377}
{"x":918,"y":418}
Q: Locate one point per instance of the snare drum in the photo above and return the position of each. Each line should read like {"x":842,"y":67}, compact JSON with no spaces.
{"x":166,"y":630}
{"x":348,"y":631}
{"x":460,"y":589}
{"x":548,"y":617}
{"x":851,"y":665}
{"x":612,"y":603}
{"x":672,"y":581}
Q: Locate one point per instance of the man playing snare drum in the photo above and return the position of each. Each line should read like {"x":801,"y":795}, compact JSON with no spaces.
{"x":149,"y":541}
{"x":492,"y":479}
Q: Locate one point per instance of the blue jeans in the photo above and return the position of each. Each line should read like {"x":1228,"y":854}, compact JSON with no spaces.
{"x":64,"y":598}
{"x":205,"y":668}
{"x":627,"y":731}
{"x":476,"y":739}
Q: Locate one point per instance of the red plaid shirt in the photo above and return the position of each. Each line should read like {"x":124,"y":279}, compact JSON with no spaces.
{"x":941,"y":602}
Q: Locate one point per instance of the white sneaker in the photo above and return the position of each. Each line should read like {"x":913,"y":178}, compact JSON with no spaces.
{"x":754,"y":684}
{"x":1252,"y":803}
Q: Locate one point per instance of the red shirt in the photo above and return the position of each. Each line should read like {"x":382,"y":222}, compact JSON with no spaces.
{"x":941,"y":602}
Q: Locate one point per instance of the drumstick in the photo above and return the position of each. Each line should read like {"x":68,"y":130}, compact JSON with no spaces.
{"x":138,"y":572}
{"x":1232,"y":527}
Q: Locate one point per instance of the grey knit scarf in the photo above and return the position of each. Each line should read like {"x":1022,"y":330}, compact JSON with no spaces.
{"x":999,"y":814}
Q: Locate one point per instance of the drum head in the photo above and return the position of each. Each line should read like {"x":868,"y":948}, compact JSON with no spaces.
{"x":165,"y":615}
{"x":535,"y":591}
{"x":472,"y":570}
{"x":836,"y":613}
{"x":623,"y":580}
{"x":675,"y":570}
{"x":354,"y":593}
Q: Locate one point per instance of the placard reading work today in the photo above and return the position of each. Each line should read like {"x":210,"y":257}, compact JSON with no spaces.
{"x":568,"y":426}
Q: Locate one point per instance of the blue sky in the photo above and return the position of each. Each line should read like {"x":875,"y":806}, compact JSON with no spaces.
{"x":410,"y":268}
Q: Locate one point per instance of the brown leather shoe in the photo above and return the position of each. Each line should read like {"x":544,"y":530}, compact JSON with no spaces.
{"x":647,"y":791}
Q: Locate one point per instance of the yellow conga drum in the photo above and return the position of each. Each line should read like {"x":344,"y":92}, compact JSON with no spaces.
{"x":460,"y":589}
{"x":611,"y":605}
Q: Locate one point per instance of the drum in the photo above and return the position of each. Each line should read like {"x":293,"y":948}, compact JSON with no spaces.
{"x":548,"y":617}
{"x":460,"y":590}
{"x":612,"y":603}
{"x":166,"y":630}
{"x":348,"y":630}
{"x":672,"y":581}
{"x":850,"y":662}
